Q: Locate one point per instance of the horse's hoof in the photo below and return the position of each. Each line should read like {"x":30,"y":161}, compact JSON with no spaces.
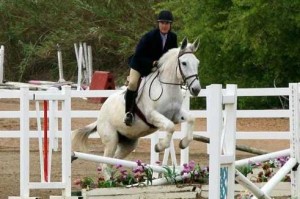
{"x":181,"y":146}
{"x":156,"y":148}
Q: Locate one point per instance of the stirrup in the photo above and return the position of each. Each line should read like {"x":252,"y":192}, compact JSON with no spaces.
{"x":128,"y":120}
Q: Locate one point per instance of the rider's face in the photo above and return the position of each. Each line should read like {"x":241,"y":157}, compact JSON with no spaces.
{"x":164,"y":27}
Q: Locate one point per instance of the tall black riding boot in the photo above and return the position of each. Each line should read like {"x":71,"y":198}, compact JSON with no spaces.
{"x":129,"y":107}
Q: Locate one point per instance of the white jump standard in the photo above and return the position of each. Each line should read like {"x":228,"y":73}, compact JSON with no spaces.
{"x":217,"y":161}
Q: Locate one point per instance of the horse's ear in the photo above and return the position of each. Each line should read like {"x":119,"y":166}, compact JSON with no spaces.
{"x":196,"y":44}
{"x":184,"y":43}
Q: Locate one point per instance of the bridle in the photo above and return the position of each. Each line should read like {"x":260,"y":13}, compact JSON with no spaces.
{"x":184,"y":78}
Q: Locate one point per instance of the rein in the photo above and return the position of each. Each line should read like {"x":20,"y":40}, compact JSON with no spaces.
{"x":184,"y":78}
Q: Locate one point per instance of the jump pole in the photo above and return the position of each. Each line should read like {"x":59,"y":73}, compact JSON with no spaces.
{"x":1,"y":64}
{"x":128,"y":164}
{"x":264,"y":157}
{"x":114,"y":161}
{"x":60,"y":64}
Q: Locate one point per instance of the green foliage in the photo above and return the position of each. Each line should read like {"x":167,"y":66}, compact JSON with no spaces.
{"x":245,"y":170}
{"x":170,"y":174}
{"x":30,"y":31}
{"x":252,"y":43}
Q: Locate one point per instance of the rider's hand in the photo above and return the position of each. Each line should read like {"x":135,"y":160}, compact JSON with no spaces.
{"x":154,"y":68}
{"x":155,"y":63}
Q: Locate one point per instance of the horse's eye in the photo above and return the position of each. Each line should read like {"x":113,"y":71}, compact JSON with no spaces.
{"x":184,"y":63}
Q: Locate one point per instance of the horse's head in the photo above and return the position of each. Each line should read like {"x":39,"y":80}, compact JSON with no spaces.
{"x":188,"y":66}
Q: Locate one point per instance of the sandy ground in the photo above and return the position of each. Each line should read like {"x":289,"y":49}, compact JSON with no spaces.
{"x":10,"y":158}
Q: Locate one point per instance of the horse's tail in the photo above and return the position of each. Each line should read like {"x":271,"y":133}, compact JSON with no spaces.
{"x":80,"y":136}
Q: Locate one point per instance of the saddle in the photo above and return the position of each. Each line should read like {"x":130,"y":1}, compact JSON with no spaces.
{"x":134,"y":109}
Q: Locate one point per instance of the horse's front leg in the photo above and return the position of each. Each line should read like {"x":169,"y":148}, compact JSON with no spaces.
{"x":184,"y":116}
{"x":165,"y":124}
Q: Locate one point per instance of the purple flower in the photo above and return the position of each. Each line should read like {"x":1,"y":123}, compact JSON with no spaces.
{"x":139,"y":162}
{"x":191,"y":165}
{"x":123,"y":171}
{"x":118,"y":166}
{"x":185,"y":170}
{"x":205,"y":169}
{"x":185,"y":165}
{"x":138,"y":169}
{"x":282,"y":160}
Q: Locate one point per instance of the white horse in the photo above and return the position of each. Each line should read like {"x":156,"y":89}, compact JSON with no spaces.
{"x":160,"y":100}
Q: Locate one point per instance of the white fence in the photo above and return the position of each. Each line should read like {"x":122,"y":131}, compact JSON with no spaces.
{"x":10,"y":94}
{"x":241,"y":92}
{"x":83,"y":114}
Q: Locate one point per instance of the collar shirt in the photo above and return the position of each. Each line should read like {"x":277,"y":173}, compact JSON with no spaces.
{"x":163,"y":39}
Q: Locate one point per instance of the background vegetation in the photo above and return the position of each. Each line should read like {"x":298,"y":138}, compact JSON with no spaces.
{"x":253,"y":43}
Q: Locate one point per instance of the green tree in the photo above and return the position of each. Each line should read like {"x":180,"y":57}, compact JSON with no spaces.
{"x":254,"y":43}
{"x":30,"y":31}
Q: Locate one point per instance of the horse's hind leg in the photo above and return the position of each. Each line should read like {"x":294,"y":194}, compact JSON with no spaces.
{"x":125,"y":147}
{"x":109,"y":138}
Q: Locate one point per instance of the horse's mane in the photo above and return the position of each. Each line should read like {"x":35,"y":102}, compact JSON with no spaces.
{"x":169,"y":58}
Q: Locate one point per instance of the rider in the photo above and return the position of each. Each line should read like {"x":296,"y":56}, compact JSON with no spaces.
{"x":148,"y":51}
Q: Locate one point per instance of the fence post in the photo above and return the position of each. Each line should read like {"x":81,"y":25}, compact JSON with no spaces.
{"x":295,"y":137}
{"x":214,"y":127}
{"x":230,"y":101}
{"x":220,"y":125}
{"x":66,"y":141}
{"x":24,"y":142}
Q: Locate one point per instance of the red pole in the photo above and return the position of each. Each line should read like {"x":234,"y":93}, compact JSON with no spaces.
{"x":46,"y":140}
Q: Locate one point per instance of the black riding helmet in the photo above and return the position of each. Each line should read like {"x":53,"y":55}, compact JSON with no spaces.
{"x":165,"y":15}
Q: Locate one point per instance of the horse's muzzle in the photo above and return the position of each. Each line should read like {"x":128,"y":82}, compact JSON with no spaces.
{"x":195,"y":91}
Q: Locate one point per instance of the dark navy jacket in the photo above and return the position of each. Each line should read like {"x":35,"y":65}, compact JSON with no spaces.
{"x":149,"y":49}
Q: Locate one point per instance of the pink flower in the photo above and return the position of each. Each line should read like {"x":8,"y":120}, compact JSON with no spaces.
{"x":77,"y":181}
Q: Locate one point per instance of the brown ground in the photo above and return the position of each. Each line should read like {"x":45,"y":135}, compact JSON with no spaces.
{"x":9,"y":149}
